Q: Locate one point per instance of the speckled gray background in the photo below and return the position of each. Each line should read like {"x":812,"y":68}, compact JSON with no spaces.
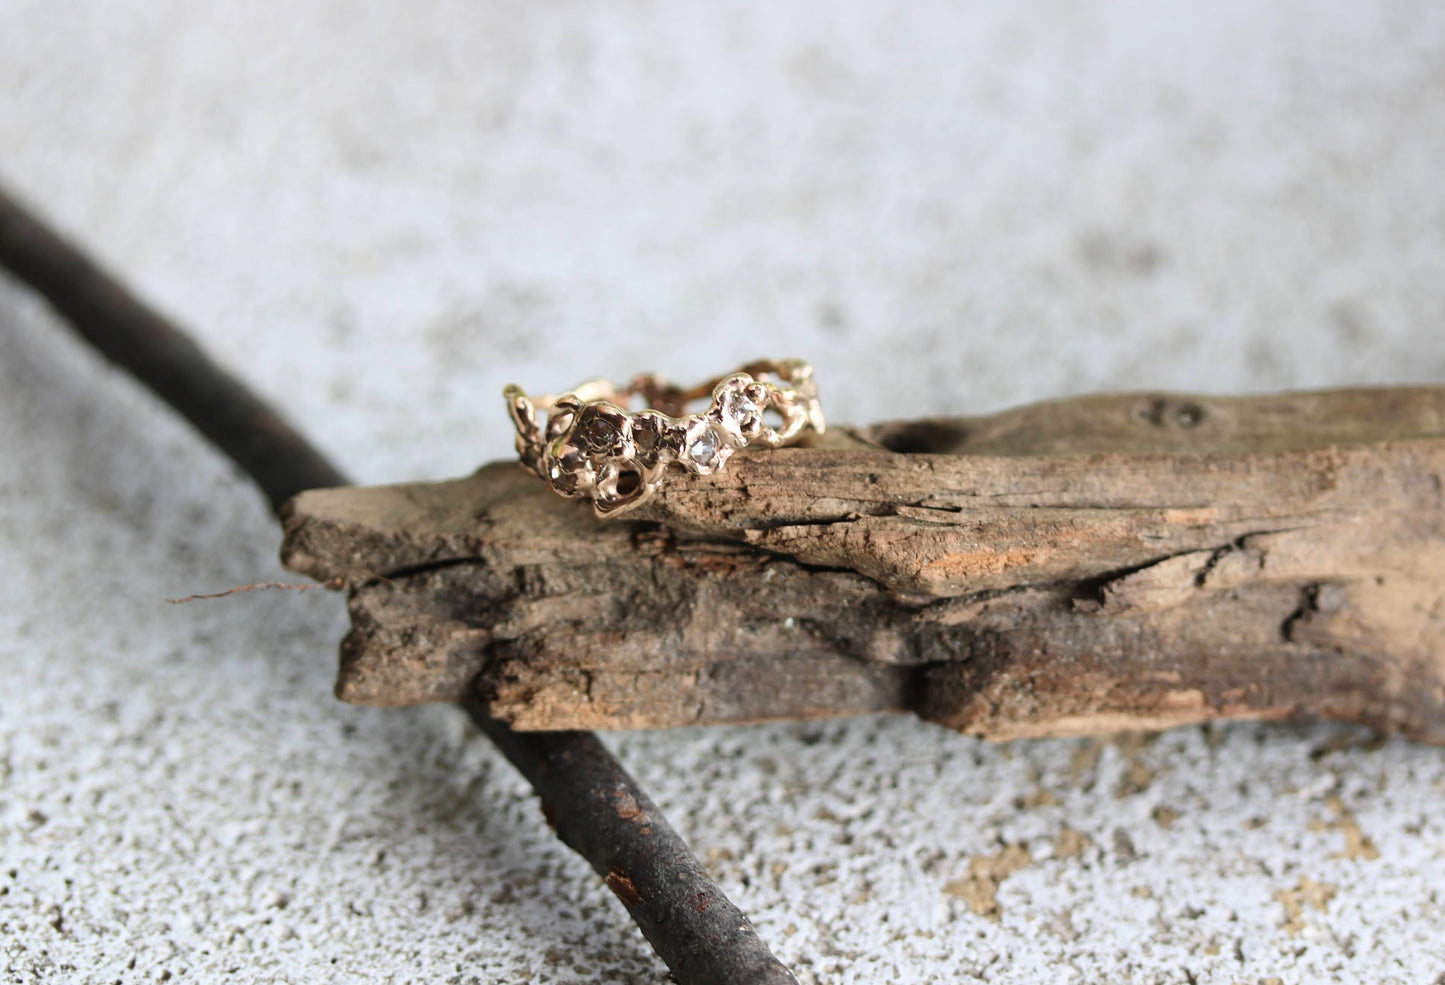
{"x":379,"y":213}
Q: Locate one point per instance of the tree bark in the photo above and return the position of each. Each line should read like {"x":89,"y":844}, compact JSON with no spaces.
{"x":1086,"y":565}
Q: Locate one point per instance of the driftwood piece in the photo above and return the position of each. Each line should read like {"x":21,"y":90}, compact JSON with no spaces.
{"x":1087,"y":565}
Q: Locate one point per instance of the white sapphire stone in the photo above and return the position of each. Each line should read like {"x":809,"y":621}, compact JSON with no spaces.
{"x":703,"y":448}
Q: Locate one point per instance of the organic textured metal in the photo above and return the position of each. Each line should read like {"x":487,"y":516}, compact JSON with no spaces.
{"x":592,"y":446}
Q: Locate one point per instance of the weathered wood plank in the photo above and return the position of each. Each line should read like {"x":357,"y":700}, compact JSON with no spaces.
{"x":1085,"y":565}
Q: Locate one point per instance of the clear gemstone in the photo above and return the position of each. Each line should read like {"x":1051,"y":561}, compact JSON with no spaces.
{"x":738,"y":411}
{"x":600,"y":429}
{"x":745,"y":412}
{"x":703,"y":448}
{"x":647,"y":434}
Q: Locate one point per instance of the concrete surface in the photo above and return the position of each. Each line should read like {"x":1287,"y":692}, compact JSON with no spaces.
{"x":380,"y":213}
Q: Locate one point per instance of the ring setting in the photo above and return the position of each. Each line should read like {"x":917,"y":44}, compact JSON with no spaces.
{"x":590,"y":444}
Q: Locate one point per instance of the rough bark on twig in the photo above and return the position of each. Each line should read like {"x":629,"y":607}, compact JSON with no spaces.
{"x":1086,"y":565}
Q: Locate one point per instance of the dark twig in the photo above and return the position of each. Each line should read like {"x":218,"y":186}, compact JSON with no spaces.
{"x":142,"y":341}
{"x":597,"y":809}
{"x":602,"y":814}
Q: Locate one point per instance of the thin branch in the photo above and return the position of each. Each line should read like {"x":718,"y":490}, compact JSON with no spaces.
{"x":597,"y":809}
{"x":147,"y":345}
{"x":600,"y":812}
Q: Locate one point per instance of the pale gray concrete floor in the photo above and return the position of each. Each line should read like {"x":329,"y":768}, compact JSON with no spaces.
{"x":379,"y":213}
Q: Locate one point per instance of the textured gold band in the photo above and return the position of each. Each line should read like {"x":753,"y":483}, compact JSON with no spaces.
{"x":592,"y":446}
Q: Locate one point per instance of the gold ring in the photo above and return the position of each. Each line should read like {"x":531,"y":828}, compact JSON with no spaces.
{"x":592,"y":446}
